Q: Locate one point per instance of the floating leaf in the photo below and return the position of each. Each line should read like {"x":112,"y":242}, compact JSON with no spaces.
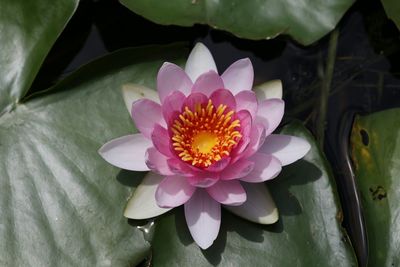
{"x":28,"y":31}
{"x":308,"y":232}
{"x":305,"y":21}
{"x":392,"y":8}
{"x":375,"y":144}
{"x":60,"y":202}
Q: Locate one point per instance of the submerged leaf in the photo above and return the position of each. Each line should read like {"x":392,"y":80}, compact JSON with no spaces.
{"x":375,"y":144}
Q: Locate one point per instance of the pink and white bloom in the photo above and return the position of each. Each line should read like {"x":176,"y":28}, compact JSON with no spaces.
{"x":208,"y":141}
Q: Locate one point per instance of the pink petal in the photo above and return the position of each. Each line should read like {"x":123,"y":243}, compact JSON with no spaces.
{"x":219,"y":165}
{"x":203,"y":217}
{"x":146,"y":113}
{"x":237,"y":170}
{"x":223,"y":97}
{"x":245,"y":122}
{"x":270,"y":113}
{"x":178,"y":167}
{"x":241,"y":146}
{"x":157,"y":162}
{"x":207,"y":83}
{"x":161,"y":140}
{"x":194,"y":99}
{"x":199,"y":61}
{"x":228,"y":192}
{"x":172,"y":106}
{"x":286,"y":148}
{"x":246,"y":126}
{"x":202,"y":180}
{"x":172,"y":78}
{"x":239,"y":76}
{"x":247,"y":100}
{"x":127,"y":152}
{"x":257,"y":138}
{"x":173,"y":191}
{"x":266,"y":167}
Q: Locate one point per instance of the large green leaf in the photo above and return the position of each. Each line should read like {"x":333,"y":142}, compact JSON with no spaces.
{"x":392,"y":8}
{"x":28,"y":29}
{"x":308,"y":232}
{"x":306,"y":21}
{"x":375,"y":141}
{"x":60,"y":202}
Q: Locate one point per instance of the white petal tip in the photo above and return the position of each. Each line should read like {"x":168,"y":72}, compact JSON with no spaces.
{"x":271,"y":218}
{"x":132,"y":215}
{"x":199,"y":61}
{"x":286,"y":148}
{"x":246,"y":63}
{"x":259,"y":207}
{"x":103,"y":153}
{"x":167,"y":64}
{"x":136,"y":212}
{"x":199,"y":45}
{"x":270,"y":89}
{"x":246,"y":60}
{"x":100,"y":151}
{"x":205,"y":246}
{"x":303,"y":148}
{"x":266,"y":219}
{"x":307,"y":147}
{"x":142,"y":212}
{"x":133,"y":92}
{"x":142,"y":204}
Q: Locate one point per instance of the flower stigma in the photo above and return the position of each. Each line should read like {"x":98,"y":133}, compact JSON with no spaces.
{"x":206,"y":134}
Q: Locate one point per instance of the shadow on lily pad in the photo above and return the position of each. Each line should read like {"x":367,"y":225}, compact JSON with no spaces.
{"x":172,"y":238}
{"x":297,"y":174}
{"x":213,"y":253}
{"x":237,"y":230}
{"x":130,"y":178}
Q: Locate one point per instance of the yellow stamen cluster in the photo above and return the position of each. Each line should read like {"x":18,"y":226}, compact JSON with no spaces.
{"x":205,"y":135}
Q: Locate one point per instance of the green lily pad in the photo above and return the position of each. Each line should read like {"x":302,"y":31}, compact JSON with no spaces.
{"x":392,"y":9}
{"x":375,"y":147}
{"x":308,"y":232}
{"x":28,"y":31}
{"x":60,"y":202}
{"x":305,"y":21}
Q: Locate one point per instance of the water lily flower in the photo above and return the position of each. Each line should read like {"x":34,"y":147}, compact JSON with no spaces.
{"x":207,"y":140}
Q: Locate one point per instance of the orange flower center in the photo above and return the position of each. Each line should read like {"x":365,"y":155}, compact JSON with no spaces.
{"x":205,"y":135}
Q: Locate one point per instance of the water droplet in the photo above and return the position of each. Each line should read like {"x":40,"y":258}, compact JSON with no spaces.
{"x":147,"y":230}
